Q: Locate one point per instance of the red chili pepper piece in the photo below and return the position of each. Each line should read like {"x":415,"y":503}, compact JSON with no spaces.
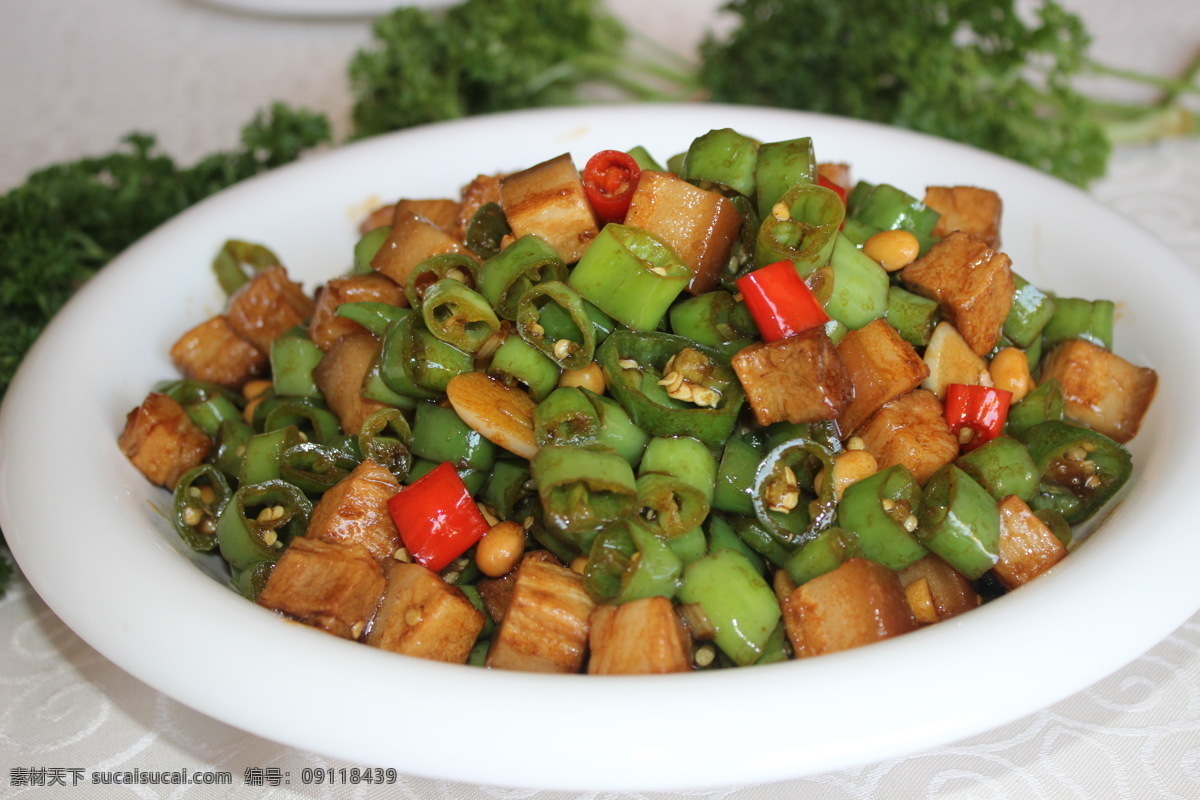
{"x":780,"y":301}
{"x":609,"y":179}
{"x":436,"y":517}
{"x":837,"y":189}
{"x":976,"y":414}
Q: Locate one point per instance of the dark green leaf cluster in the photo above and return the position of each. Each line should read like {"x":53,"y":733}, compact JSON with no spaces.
{"x":966,"y":70}
{"x":477,"y":57}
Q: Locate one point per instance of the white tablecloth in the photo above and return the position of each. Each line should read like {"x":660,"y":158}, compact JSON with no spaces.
{"x":79,"y":74}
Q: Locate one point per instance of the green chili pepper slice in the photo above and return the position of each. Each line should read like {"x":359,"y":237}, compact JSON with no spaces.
{"x":372,"y":315}
{"x":826,"y":552}
{"x":206,"y":404}
{"x":506,"y":276}
{"x":1081,"y":469}
{"x":386,"y":439}
{"x":780,"y":166}
{"x":880,"y":510}
{"x":1003,"y":466}
{"x":486,"y":230}
{"x":779,"y":476}
{"x":197,"y":502}
{"x":737,"y":601}
{"x":237,"y":261}
{"x":458,"y":315}
{"x":582,"y":490}
{"x":669,"y":506}
{"x":802,"y":228}
{"x":517,"y":363}
{"x":293,"y":357}
{"x":959,"y":521}
{"x":444,"y":266}
{"x":572,"y":346}
{"x":260,"y":520}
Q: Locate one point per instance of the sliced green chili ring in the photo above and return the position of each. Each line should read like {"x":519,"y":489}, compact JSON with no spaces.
{"x":314,"y":468}
{"x":1003,"y":466}
{"x":1081,"y":469}
{"x":609,"y":556}
{"x":631,"y":275}
{"x":367,"y":247}
{"x":517,"y":363}
{"x":722,"y":156}
{"x":633,"y":363}
{"x":260,"y":520}
{"x":1077,"y":318}
{"x":914,"y":317}
{"x":250,"y":581}
{"x":506,"y":486}
{"x":263,"y":453}
{"x":760,"y":540}
{"x":959,"y":521}
{"x":780,"y":166}
{"x":685,"y":457}
{"x":315,"y":421}
{"x":689,"y":546}
{"x":669,"y":506}
{"x":506,"y":276}
{"x":583,"y":490}
{"x":206,"y":404}
{"x":1044,"y":403}
{"x":486,"y":230}
{"x":375,"y":388}
{"x":232,"y":437}
{"x":616,"y":430}
{"x":654,"y":569}
{"x":415,"y":363}
{"x":830,"y":549}
{"x":873,"y":208}
{"x":778,"y":647}
{"x":805,"y":235}
{"x":438,"y":434}
{"x":197,"y":502}
{"x":853,"y":288}
{"x":444,"y":266}
{"x":293,"y":357}
{"x":571,"y":348}
{"x":880,"y":510}
{"x":1031,"y":309}
{"x":237,"y":261}
{"x":714,"y":319}
{"x":734,"y":488}
{"x":458,"y":315}
{"x":566,"y":417}
{"x":737,"y":601}
{"x":722,"y":536}
{"x":372,"y":315}
{"x":389,"y":451}
{"x":644,"y":160}
{"x":802,"y":456}
{"x":395,"y":366}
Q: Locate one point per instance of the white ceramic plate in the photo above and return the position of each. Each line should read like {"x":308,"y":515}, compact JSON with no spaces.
{"x":320,"y":8}
{"x":89,"y":532}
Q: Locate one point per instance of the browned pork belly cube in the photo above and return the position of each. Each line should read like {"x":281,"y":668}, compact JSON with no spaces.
{"x":1027,"y":545}
{"x":548,"y":200}
{"x":340,"y":376}
{"x":858,"y":603}
{"x":1101,"y":389}
{"x":882,"y":366}
{"x":162,"y":441}
{"x":951,"y":360}
{"x":911,"y":430}
{"x":422,"y":615}
{"x":641,"y":637}
{"x":797,"y":379}
{"x":355,"y":511}
{"x":327,"y":327}
{"x":212,"y":351}
{"x":380,"y":217}
{"x":545,"y":628}
{"x":267,"y":306}
{"x":968,"y":209}
{"x":413,"y":239}
{"x":441,"y":211}
{"x":333,"y":587}
{"x":474,"y":196}
{"x":972,"y":283}
{"x":701,"y":226}
{"x":496,"y":592}
{"x":936,"y":591}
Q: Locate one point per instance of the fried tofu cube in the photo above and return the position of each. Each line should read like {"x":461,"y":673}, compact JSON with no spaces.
{"x":797,"y":379}
{"x":951,"y":360}
{"x":911,"y":430}
{"x":937,"y":591}
{"x":972,"y":283}
{"x":161,"y":440}
{"x":497,"y":592}
{"x":267,"y":306}
{"x":858,"y":603}
{"x":421,"y":615}
{"x":701,"y":226}
{"x":340,"y":376}
{"x":333,"y":587}
{"x":882,"y":366}
{"x":355,"y":511}
{"x":327,"y":327}
{"x":548,"y":200}
{"x":968,"y":209}
{"x":1100,"y":389}
{"x":474,"y":196}
{"x":545,"y":628}
{"x":641,"y":637}
{"x":212,"y":351}
{"x":1027,"y":545}
{"x":413,"y":239}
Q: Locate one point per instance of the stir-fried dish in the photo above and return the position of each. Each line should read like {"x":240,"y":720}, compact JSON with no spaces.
{"x":730,"y":409}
